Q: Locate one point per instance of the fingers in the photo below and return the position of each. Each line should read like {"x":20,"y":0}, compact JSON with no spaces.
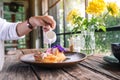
{"x":48,"y":20}
{"x":46,"y":28}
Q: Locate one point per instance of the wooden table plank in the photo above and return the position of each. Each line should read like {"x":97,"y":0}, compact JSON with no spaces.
{"x":96,"y":63}
{"x":75,"y":72}
{"x":82,"y":73}
{"x":15,"y":70}
{"x":52,"y":74}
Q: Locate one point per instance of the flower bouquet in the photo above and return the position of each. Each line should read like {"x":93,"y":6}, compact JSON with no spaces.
{"x":98,"y":11}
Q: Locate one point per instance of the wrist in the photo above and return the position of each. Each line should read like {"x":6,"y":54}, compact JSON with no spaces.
{"x":31,"y":23}
{"x":30,"y":26}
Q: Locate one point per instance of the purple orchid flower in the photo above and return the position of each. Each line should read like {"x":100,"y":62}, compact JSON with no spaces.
{"x":60,"y":48}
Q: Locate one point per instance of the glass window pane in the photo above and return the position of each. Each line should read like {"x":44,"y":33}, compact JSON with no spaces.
{"x":110,"y":20}
{"x":104,"y":40}
{"x":7,"y":16}
{"x":60,"y":13}
{"x":60,"y":40}
{"x":65,"y":6}
{"x":70,"y":5}
{"x":67,"y":37}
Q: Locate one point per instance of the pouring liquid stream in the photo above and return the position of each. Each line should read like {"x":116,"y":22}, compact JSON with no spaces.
{"x":50,"y":42}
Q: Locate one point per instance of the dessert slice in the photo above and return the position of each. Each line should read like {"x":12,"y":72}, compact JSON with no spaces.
{"x":52,"y":55}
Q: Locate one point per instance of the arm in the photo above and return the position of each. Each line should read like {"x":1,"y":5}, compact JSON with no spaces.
{"x":46,"y":22}
{"x":14,"y":31}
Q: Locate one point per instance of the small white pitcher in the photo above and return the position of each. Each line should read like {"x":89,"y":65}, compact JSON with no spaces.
{"x":49,"y":37}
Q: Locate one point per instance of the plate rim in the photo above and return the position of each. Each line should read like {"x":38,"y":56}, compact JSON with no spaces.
{"x":28,"y":62}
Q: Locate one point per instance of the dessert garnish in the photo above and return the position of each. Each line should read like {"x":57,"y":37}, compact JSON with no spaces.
{"x":60,"y":48}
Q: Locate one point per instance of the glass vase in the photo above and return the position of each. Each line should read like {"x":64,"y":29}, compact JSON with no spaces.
{"x":88,"y":42}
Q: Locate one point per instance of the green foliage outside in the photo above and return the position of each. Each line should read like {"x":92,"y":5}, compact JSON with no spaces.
{"x":104,"y":39}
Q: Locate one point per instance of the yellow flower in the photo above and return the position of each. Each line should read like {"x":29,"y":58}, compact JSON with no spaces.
{"x":99,"y":10}
{"x":74,"y":13}
{"x":96,"y":7}
{"x":113,"y":8}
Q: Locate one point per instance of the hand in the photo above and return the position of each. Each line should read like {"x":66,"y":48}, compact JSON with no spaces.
{"x":47,"y":22}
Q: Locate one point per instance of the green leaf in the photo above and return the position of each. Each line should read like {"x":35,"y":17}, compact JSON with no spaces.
{"x":75,"y":29}
{"x":102,"y":28}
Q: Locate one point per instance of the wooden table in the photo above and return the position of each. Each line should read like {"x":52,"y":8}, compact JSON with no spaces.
{"x":92,"y":68}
